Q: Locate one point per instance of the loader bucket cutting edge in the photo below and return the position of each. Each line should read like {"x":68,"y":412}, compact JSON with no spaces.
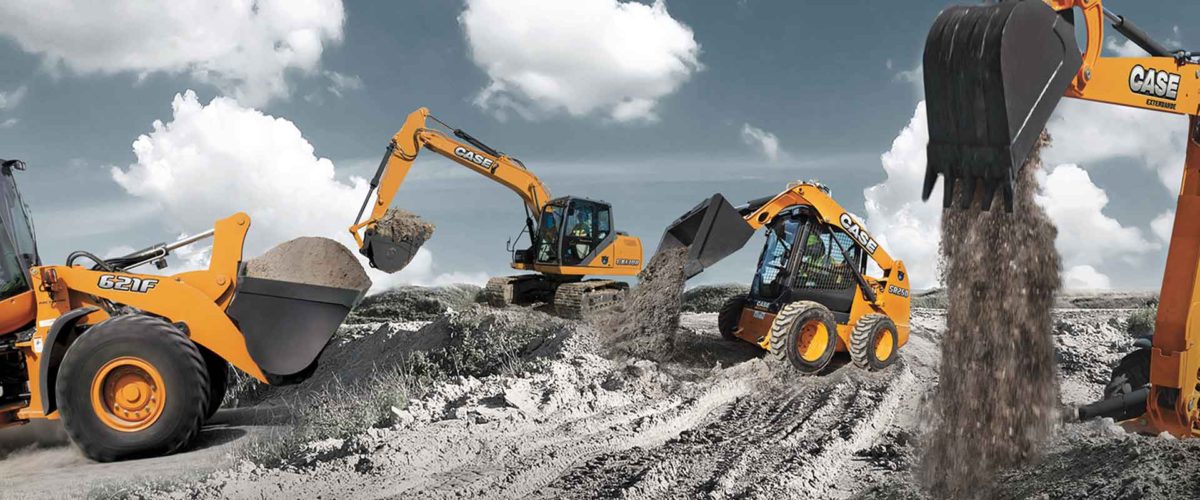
{"x":711,"y":231}
{"x":993,"y":75}
{"x":388,"y":255}
{"x":287,"y":325}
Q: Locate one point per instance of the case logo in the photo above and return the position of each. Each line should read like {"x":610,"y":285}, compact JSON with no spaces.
{"x":857,"y":232}
{"x":1154,"y":82}
{"x":126,"y":283}
{"x":473,"y":157}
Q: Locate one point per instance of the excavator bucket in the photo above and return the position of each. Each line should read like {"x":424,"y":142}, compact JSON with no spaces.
{"x":993,"y":75}
{"x":711,"y":231}
{"x":389,"y":255}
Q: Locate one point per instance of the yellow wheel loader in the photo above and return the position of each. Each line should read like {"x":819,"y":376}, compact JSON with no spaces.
{"x":811,"y":295}
{"x":570,"y":237}
{"x":134,"y":363}
{"x":993,"y":75}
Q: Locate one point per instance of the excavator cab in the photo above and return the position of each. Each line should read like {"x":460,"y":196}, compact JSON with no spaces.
{"x":571,"y":232}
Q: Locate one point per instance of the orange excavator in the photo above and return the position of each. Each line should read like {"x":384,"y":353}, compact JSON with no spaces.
{"x":570,"y":237}
{"x":994,"y":73}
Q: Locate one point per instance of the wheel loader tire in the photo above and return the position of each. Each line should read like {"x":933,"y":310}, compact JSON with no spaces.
{"x":873,"y":342}
{"x":218,"y":382}
{"x":1130,"y":374}
{"x":730,"y":316}
{"x":132,"y":386}
{"x":806,"y":334}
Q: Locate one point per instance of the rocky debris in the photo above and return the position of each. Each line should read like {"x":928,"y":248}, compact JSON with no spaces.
{"x":644,"y":324}
{"x":710,"y":298}
{"x":312,"y":261}
{"x":401,"y":225}
{"x":414,"y":303}
{"x":1070,"y":299}
{"x":997,"y":399}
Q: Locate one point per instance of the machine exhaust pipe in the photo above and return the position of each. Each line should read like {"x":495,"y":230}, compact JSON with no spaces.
{"x":993,"y":75}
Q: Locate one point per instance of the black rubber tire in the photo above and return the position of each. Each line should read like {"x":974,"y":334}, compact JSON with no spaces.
{"x":730,"y":315}
{"x":787,"y":328}
{"x":161,"y":345}
{"x":218,"y":382}
{"x":867,"y":331}
{"x":1130,"y":374}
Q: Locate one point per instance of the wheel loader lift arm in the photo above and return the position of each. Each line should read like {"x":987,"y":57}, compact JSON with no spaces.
{"x":473,"y":154}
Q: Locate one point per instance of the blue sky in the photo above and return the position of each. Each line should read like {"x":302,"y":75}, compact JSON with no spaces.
{"x":829,"y":81}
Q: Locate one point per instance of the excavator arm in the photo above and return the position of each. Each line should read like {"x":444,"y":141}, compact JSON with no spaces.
{"x":990,"y":90}
{"x":402,"y":152}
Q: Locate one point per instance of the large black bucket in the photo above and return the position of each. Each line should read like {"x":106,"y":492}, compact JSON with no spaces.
{"x":287,"y":325}
{"x":388,"y":255}
{"x":993,"y":75}
{"x":711,"y":231}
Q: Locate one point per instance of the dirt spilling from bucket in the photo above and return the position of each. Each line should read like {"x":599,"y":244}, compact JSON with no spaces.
{"x":313,"y":261}
{"x":402,"y":225}
{"x":997,"y":397}
{"x":645,"y":324}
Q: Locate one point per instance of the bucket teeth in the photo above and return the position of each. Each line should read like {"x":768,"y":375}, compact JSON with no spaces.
{"x":993,"y":75}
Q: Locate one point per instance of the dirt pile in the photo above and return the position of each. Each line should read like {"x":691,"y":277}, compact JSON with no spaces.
{"x":414,"y":303}
{"x":645,"y":323}
{"x":313,"y":261}
{"x":402,"y":225}
{"x":998,"y":392}
{"x":710,"y":298}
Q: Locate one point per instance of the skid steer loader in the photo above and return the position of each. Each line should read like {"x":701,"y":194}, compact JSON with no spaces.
{"x":811,"y":295}
{"x":994,"y":73}
{"x":569,"y":237}
{"x":134,"y":363}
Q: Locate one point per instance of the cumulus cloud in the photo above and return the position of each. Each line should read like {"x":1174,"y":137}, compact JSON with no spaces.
{"x":762,"y":141}
{"x":1086,"y":133}
{"x":1085,"y":278}
{"x":213,"y":160}
{"x":608,"y":57}
{"x":243,"y":47}
{"x":1086,"y":236}
{"x":1162,"y":225}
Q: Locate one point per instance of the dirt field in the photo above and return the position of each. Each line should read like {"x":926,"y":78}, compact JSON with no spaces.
{"x":560,"y":420}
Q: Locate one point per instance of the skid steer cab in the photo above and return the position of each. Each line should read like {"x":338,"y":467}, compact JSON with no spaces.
{"x":133,"y":364}
{"x":812,"y":294}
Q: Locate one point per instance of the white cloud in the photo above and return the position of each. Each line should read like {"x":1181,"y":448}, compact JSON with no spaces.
{"x":1086,"y":236}
{"x":10,"y":123}
{"x":609,"y":57}
{"x":1124,"y":48}
{"x":762,"y":141}
{"x":1086,"y":133}
{"x":11,"y":99}
{"x":213,"y":160}
{"x":1085,"y":278}
{"x":907,"y":227}
{"x":243,"y":47}
{"x":340,"y":83}
{"x":1162,"y":225}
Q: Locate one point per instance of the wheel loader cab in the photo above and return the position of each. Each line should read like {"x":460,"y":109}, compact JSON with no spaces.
{"x":572,"y":231}
{"x":18,"y":253}
{"x":805,"y":259}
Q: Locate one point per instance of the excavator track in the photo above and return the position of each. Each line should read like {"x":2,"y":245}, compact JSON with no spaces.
{"x":584,"y":299}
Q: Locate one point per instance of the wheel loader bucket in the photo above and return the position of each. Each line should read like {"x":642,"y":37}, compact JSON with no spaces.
{"x":711,"y":231}
{"x":287,"y":325}
{"x":388,"y":255}
{"x":993,"y":75}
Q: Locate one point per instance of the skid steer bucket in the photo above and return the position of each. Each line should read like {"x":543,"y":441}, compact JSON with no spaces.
{"x":287,"y":325}
{"x":993,"y":75}
{"x":711,"y":231}
{"x":388,"y":255}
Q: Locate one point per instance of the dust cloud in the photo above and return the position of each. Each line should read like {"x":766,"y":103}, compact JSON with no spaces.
{"x":645,"y":323}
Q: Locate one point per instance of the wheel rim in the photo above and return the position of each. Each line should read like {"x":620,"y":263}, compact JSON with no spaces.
{"x":128,"y":394}
{"x":813,"y":341}
{"x":884,"y":346}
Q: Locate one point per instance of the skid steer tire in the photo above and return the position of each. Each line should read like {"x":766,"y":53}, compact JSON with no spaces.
{"x":1130,"y":374}
{"x":805,"y":333}
{"x":730,"y":315}
{"x":873,"y":342}
{"x":132,"y":386}
{"x":218,"y":382}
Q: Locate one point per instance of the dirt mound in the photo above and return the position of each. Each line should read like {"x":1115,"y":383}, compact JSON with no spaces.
{"x":414,"y":303}
{"x":644,"y":325}
{"x":313,"y":261}
{"x":710,"y":298}
{"x":998,"y":393}
{"x":401,"y":225}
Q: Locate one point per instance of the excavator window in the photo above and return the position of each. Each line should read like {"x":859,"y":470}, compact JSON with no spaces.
{"x":548,"y":235}
{"x":18,"y":250}
{"x":588,"y":224}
